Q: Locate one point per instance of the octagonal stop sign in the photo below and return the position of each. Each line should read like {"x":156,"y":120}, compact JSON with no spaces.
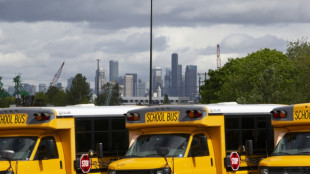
{"x":85,"y":163}
{"x":234,"y":161}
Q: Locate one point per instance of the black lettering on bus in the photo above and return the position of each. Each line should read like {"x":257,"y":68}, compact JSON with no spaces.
{"x":175,"y":116}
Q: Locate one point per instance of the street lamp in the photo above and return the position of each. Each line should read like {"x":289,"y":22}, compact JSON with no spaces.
{"x":151,"y":25}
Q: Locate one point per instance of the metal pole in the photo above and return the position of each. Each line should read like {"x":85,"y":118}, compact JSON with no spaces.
{"x":150,"y":88}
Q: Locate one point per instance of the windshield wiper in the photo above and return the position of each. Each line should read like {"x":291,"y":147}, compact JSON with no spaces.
{"x":281,"y":153}
{"x":302,"y":153}
{"x":155,"y":154}
{"x":132,"y":156}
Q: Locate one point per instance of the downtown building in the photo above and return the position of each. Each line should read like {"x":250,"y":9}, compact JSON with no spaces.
{"x":191,"y":82}
{"x":100,"y":80}
{"x":113,"y":71}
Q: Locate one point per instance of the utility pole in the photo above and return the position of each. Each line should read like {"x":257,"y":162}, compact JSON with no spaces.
{"x":218,"y":56}
{"x":97,"y":78}
{"x":200,"y":81}
{"x":151,"y":47}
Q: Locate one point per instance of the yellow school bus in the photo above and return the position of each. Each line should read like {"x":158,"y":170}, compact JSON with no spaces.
{"x":62,"y":140}
{"x":292,"y":139}
{"x":194,"y":139}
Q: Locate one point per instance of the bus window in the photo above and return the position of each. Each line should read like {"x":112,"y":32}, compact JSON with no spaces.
{"x":43,"y":153}
{"x":196,"y":147}
{"x":119,"y":135}
{"x":248,"y":127}
{"x":147,"y":145}
{"x":110,"y":130}
{"x":22,"y":146}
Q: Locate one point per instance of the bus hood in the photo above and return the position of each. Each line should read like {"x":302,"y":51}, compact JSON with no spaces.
{"x":138,"y":163}
{"x":285,"y":161}
{"x":4,"y":165}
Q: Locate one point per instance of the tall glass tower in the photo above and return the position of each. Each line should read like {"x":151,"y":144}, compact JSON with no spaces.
{"x":113,"y":70}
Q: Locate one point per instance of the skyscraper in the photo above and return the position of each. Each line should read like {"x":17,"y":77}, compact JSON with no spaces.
{"x":100,"y":80}
{"x":141,"y":88}
{"x":113,"y":71}
{"x":167,"y":82}
{"x":42,"y":87}
{"x":69,"y":82}
{"x":130,"y":85}
{"x":179,"y":82}
{"x":157,"y":80}
{"x":174,"y":74}
{"x":128,"y":92}
{"x":191,"y":81}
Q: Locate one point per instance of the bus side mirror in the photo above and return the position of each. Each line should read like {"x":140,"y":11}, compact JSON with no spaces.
{"x":249,"y":147}
{"x":204,"y":145}
{"x":47,"y":151}
{"x":7,"y":154}
{"x":163,"y":151}
{"x":99,"y":150}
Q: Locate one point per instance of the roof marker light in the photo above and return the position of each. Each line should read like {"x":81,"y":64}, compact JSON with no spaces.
{"x":135,"y":116}
{"x":190,"y":113}
{"x":282,"y":114}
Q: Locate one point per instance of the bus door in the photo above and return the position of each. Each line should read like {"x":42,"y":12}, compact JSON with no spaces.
{"x":201,"y":154}
{"x":49,"y":157}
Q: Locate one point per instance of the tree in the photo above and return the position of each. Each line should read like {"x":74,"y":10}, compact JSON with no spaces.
{"x":166,"y":99}
{"x":3,"y":93}
{"x":110,"y":96}
{"x":299,"y":52}
{"x":79,"y":91}
{"x":7,"y":101}
{"x":260,"y":77}
{"x":40,"y":99}
{"x":50,"y":95}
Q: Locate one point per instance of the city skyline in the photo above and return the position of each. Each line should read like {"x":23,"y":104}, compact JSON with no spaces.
{"x":36,"y":37}
{"x":133,"y":85}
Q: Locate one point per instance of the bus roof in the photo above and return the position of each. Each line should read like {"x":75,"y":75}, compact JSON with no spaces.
{"x":234,"y":108}
{"x":77,"y":110}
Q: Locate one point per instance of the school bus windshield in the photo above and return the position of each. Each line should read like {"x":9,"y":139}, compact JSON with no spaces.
{"x":297,"y":143}
{"x":147,"y":145}
{"x":22,"y":146}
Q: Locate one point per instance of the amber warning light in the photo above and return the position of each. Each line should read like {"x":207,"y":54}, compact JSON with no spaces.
{"x":194,"y":113}
{"x":278,"y":114}
{"x":132,"y":116}
{"x":42,"y":116}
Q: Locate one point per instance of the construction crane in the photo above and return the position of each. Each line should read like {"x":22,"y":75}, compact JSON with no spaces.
{"x":56,"y":77}
{"x":218,"y":56}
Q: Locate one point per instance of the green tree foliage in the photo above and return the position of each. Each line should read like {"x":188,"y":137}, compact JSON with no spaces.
{"x":115,"y":97}
{"x":3,"y":93}
{"x":7,"y":101}
{"x":166,"y":99}
{"x":39,"y":99}
{"x":299,"y":53}
{"x":53,"y":96}
{"x":261,"y":77}
{"x":79,"y":91}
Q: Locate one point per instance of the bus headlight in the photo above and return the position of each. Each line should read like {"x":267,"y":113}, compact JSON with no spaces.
{"x":263,"y":170}
{"x":112,"y":172}
{"x":166,"y":170}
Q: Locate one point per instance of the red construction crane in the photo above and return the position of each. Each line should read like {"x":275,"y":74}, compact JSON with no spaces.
{"x":56,"y":77}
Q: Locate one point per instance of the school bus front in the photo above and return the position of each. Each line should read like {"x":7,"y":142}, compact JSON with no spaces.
{"x":179,"y":140}
{"x":53,"y":140}
{"x":292,"y":138}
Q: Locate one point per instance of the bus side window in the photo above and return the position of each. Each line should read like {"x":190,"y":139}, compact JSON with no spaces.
{"x":196,"y":148}
{"x":43,"y":151}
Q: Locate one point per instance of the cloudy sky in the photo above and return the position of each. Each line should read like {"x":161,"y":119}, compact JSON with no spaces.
{"x":36,"y":36}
